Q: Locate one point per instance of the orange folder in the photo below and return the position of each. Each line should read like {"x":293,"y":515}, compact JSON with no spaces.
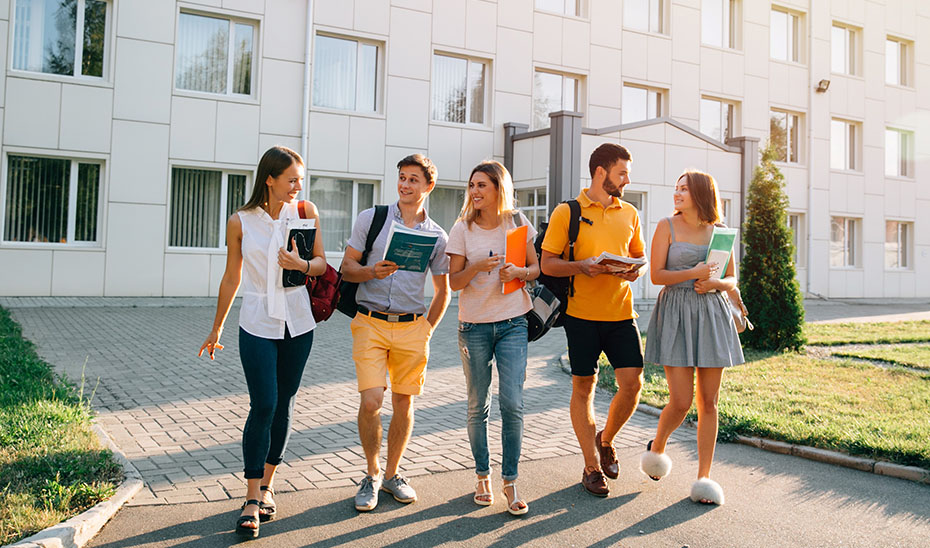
{"x":515,"y":254}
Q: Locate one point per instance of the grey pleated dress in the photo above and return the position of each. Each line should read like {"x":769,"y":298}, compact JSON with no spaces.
{"x":687,"y":329}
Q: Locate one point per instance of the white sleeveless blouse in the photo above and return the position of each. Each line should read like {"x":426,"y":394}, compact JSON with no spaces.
{"x":267,"y":306}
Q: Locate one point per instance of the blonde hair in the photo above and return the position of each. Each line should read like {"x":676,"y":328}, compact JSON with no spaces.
{"x":503,"y":182}
{"x":703,"y":190}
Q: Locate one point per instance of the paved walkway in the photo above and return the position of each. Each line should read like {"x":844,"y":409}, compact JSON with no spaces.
{"x":179,"y":418}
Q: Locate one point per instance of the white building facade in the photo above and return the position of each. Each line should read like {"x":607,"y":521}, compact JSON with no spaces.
{"x":131,"y":128}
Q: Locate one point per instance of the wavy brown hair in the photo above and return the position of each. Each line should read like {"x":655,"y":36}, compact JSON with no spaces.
{"x":503,"y":182}
{"x":703,"y":190}
{"x":273,"y":163}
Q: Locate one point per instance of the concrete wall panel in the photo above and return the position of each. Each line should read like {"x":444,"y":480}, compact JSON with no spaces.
{"x":26,"y":272}
{"x":78,"y":273}
{"x":142,"y":89}
{"x":186,"y":274}
{"x":135,"y":258}
{"x":32,"y":116}
{"x":237,"y":133}
{"x":139,"y":163}
{"x":193,"y":129}
{"x":329,"y":141}
{"x":86,"y":118}
{"x":366,"y":145}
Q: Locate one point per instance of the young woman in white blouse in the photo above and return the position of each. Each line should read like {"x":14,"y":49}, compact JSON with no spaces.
{"x":275,"y":323}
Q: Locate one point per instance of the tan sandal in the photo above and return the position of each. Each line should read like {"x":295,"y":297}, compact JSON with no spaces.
{"x":518,"y":511}
{"x":487,"y":497}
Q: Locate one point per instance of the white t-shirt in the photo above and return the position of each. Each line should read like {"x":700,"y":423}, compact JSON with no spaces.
{"x":481,"y":301}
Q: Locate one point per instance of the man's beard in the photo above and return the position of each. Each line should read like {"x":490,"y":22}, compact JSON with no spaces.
{"x":613,"y":190}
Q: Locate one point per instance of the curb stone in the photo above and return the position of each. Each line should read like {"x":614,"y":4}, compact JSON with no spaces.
{"x":77,"y":531}
{"x":890,"y":469}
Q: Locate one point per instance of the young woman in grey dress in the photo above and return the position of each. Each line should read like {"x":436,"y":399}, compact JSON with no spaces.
{"x":690,"y":330}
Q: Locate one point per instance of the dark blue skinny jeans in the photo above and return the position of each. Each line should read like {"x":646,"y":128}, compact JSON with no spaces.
{"x":273,"y":368}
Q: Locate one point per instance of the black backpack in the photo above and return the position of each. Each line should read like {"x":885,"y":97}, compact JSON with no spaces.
{"x":347,"y":290}
{"x":561,"y":287}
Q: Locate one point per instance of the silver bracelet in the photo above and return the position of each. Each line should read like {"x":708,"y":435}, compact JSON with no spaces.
{"x":307,"y":272}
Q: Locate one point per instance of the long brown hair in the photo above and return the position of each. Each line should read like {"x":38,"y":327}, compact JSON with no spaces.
{"x":503,"y":182}
{"x":273,"y":163}
{"x":703,"y":190}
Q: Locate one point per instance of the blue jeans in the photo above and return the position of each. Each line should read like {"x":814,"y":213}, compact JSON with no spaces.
{"x":478,"y":344}
{"x":273,"y":368}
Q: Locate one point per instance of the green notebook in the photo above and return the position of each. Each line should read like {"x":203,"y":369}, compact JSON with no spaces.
{"x":410,"y":249}
{"x":720,"y":249}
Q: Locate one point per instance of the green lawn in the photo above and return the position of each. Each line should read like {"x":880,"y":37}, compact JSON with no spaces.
{"x":834,"y":404}
{"x":916,"y":356}
{"x":832,"y":334}
{"x":52,"y":466}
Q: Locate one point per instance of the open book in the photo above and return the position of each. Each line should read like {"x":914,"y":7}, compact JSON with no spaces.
{"x":304,"y":232}
{"x":616,"y":263}
{"x":410,"y":249}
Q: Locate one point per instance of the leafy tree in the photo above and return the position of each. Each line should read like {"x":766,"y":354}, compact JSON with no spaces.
{"x":768,"y":279}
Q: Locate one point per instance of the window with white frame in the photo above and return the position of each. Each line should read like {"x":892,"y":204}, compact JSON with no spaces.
{"x":898,"y":236}
{"x":459,"y":89}
{"x":897,"y":62}
{"x":199,"y":198}
{"x":67,"y":37}
{"x":52,"y":200}
{"x":339,"y":201}
{"x":532,"y":202}
{"x":553,"y":92}
{"x":565,"y":7}
{"x":644,"y":15}
{"x":844,"y":144}
{"x":725,"y":211}
{"x":345,"y":74}
{"x":444,"y":205}
{"x":798,"y":235}
{"x":214,"y":54}
{"x":639,"y":103}
{"x":898,"y":153}
{"x":785,"y":36}
{"x":717,"y":118}
{"x":784,"y":133}
{"x":844,"y":242}
{"x":719,"y":23}
{"x":844,"y":49}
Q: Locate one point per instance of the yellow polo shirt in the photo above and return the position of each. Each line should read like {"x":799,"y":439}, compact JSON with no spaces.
{"x":614,"y":229}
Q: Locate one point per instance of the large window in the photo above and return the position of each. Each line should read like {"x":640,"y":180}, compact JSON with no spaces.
{"x":798,"y":235}
{"x":645,"y":15}
{"x":66,"y":37}
{"x":719,"y":23}
{"x":785,"y":36}
{"x":897,"y":244}
{"x":551,"y":93}
{"x":345,"y":74}
{"x":640,"y":104}
{"x":214,"y":54}
{"x":445,"y":204}
{"x":199,"y":199}
{"x":898,"y":153}
{"x":458,"y":89}
{"x":844,"y":241}
{"x":339,"y":202}
{"x":717,"y":118}
{"x":844,"y":46}
{"x":532,"y":202}
{"x":565,"y":7}
{"x":844,"y":144}
{"x":52,"y":200}
{"x":897,"y":63}
{"x":784,"y":132}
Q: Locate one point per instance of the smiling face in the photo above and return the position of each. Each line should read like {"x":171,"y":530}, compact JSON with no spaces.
{"x":483,"y":193}
{"x":617,"y":178}
{"x":682,"y":195}
{"x":286,"y":186}
{"x":412,"y":186}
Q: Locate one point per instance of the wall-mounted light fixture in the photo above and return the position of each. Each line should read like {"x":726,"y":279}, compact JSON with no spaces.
{"x":822,"y":86}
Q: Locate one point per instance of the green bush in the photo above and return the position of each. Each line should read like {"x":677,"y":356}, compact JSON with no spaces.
{"x":767,"y":273}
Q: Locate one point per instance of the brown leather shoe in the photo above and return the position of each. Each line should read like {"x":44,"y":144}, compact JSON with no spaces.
{"x":608,"y":457}
{"x":595,"y":483}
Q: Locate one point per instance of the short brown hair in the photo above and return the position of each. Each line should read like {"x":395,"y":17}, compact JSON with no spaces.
{"x":606,"y":156}
{"x":424,"y":163}
{"x":703,"y":190}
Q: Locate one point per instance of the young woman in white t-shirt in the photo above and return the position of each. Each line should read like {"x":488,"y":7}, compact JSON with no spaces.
{"x":275,"y":322}
{"x":492,"y":325}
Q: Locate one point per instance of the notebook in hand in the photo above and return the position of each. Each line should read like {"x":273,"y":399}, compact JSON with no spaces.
{"x":408,"y":248}
{"x":303,"y":231}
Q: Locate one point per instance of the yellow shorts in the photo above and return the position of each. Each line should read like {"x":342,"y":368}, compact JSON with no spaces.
{"x":400,"y":350}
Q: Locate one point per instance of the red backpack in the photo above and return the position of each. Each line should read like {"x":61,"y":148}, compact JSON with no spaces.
{"x":323,"y":289}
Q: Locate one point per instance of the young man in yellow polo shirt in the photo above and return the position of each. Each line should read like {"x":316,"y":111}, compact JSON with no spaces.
{"x":600,"y":314}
